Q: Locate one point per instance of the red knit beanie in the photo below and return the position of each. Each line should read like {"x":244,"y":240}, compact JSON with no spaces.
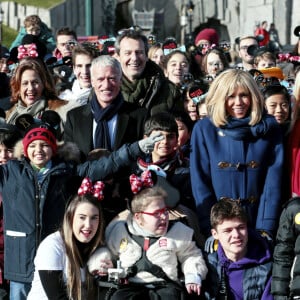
{"x":38,"y":133}
{"x":208,"y":34}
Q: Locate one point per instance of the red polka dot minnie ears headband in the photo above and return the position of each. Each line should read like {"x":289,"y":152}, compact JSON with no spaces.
{"x":138,"y":183}
{"x":95,"y":190}
{"x":154,"y":176}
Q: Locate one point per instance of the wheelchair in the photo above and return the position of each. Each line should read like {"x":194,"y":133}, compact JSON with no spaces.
{"x":107,"y":286}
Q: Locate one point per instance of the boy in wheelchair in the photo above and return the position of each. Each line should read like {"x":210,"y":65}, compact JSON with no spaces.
{"x":150,"y":249}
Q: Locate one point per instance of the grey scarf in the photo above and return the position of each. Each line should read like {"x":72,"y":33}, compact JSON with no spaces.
{"x":36,"y":109}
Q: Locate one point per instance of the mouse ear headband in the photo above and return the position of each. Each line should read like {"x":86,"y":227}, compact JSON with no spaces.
{"x":96,"y":189}
{"x":155,"y":176}
{"x":138,"y":183}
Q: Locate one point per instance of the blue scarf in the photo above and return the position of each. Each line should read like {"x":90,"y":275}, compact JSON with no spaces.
{"x":102,"y":116}
{"x":239,"y":129}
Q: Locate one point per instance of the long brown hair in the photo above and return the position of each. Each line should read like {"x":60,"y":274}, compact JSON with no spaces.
{"x":37,"y":66}
{"x":72,"y":251}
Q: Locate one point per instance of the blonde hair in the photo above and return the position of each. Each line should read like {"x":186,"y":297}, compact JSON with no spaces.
{"x":263,"y":56}
{"x":142,"y":199}
{"x":223,"y":86}
{"x":153,"y":49}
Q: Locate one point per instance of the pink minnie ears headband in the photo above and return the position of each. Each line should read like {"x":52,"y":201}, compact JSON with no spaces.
{"x":30,"y":50}
{"x":95,"y":190}
{"x":288,"y":57}
{"x":138,"y":183}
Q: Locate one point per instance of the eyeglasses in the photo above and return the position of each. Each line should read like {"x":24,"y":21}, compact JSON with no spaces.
{"x":152,"y":40}
{"x":71,"y":43}
{"x":269,"y":81}
{"x":157,"y":213}
{"x":134,"y":28}
{"x":225,"y":46}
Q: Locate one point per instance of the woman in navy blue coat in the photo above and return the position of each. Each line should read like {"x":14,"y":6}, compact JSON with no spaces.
{"x":237,"y":153}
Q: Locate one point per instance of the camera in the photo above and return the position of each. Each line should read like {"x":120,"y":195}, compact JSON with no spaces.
{"x":117,"y":275}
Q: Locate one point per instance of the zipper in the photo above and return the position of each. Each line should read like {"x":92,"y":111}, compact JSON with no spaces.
{"x":37,"y":213}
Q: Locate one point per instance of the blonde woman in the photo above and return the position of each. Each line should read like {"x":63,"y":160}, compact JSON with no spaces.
{"x":237,"y":153}
{"x":156,"y":54}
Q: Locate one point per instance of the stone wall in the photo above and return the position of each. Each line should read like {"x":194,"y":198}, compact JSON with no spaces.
{"x":238,"y":17}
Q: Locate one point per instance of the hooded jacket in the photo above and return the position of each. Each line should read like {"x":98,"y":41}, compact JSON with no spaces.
{"x":45,"y":36}
{"x":248,"y":278}
{"x":34,"y":208}
{"x":286,"y":267}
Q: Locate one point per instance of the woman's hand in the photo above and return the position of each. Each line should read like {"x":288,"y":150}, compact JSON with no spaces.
{"x":193,"y":288}
{"x":105,"y":264}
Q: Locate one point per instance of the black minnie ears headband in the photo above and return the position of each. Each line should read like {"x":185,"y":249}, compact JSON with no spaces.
{"x":8,"y":128}
{"x":50,"y":119}
{"x":297,"y":31}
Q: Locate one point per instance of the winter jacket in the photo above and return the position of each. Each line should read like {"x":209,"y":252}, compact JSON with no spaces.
{"x":175,"y":247}
{"x":242,"y":167}
{"x":45,"y":36}
{"x":246,"y":279}
{"x":33,"y":209}
{"x":286,"y":267}
{"x":1,"y":243}
{"x":152,"y":90}
{"x":293,"y":156}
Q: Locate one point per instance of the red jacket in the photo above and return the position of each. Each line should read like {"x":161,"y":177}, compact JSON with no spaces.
{"x":294,"y":158}
{"x":266,"y":35}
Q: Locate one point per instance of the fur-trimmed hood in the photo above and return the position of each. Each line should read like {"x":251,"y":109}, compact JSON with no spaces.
{"x":66,"y":151}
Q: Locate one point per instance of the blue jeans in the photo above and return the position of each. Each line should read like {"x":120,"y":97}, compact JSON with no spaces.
{"x":19,"y":290}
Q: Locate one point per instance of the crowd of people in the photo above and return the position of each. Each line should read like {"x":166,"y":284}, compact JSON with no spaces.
{"x":133,"y":168}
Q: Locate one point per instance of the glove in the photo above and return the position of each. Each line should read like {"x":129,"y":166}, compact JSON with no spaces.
{"x":147,"y":144}
{"x":211,"y":245}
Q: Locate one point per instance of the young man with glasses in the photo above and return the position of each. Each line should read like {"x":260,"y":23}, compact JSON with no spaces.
{"x":66,"y":39}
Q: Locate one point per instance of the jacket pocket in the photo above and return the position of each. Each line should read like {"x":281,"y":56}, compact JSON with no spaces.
{"x":19,"y":253}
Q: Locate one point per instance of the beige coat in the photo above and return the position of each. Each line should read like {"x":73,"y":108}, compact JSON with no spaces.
{"x":176,"y":247}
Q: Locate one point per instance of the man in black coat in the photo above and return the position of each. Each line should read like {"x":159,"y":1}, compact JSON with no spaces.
{"x":107,"y":121}
{"x":143,"y":81}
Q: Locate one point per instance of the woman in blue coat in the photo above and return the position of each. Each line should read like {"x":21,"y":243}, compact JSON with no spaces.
{"x":237,"y":153}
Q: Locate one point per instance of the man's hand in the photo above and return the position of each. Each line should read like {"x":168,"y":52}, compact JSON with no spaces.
{"x":147,"y":144}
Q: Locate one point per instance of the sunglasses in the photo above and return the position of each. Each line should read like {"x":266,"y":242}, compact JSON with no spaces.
{"x":134,"y":28}
{"x":264,"y":82}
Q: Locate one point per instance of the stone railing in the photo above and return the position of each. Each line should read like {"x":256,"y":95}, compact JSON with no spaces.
{"x":14,"y":14}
